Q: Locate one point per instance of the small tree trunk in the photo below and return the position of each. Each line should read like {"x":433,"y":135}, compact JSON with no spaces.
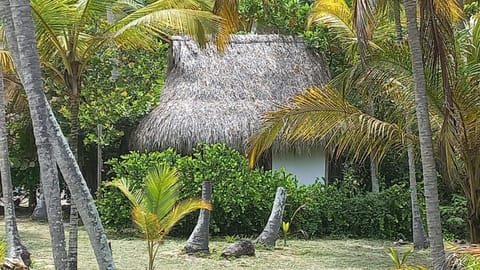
{"x":40,"y":211}
{"x":15,"y":248}
{"x":270,"y":233}
{"x":198,"y":240}
{"x":417,"y":224}
{"x":374,"y":174}
{"x":397,"y":19}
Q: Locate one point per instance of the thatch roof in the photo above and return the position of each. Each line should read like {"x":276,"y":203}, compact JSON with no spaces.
{"x":210,"y":97}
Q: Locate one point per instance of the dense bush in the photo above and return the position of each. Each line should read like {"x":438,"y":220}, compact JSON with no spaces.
{"x":242,"y":198}
{"x":112,"y":205}
{"x":337,"y":211}
{"x":454,"y":218}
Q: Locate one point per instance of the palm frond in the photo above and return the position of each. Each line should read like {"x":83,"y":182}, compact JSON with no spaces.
{"x":335,"y":14}
{"x":148,"y":223}
{"x":195,"y":23}
{"x":52,"y":21}
{"x":228,"y":11}
{"x":6,"y":61}
{"x":91,"y":9}
{"x":127,"y":188}
{"x":180,"y":210}
{"x":161,"y":191}
{"x":323,"y":114}
{"x":364,"y":22}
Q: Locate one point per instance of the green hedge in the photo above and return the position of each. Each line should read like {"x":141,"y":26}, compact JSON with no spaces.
{"x":242,"y":198}
{"x":336,"y":211}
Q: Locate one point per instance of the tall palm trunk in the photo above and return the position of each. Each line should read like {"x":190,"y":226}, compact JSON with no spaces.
{"x":397,"y":19}
{"x":26,"y":56}
{"x":18,"y":25}
{"x":15,"y":248}
{"x":418,"y":231}
{"x":417,"y":224}
{"x":74,"y":121}
{"x":425,"y":136}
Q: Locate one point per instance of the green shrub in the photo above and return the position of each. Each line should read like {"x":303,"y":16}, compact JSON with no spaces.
{"x":454,"y":217}
{"x":112,"y":205}
{"x":242,"y":198}
{"x":336,"y":211}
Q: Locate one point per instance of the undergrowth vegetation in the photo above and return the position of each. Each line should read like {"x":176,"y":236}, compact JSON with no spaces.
{"x":242,"y":198}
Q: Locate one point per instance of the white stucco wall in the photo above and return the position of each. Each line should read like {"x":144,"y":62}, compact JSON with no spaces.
{"x":306,"y":166}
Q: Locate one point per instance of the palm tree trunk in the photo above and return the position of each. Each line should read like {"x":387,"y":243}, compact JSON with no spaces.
{"x":19,"y":29}
{"x":425,"y":136}
{"x":417,"y":224}
{"x":73,"y":229}
{"x":46,"y":130}
{"x":15,"y":248}
{"x":198,"y":240}
{"x":374,"y":174}
{"x":397,"y":19}
{"x":270,"y":233}
{"x":80,"y":193}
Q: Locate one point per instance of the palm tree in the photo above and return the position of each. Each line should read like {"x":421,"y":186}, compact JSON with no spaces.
{"x":64,"y":33}
{"x":15,"y":249}
{"x":155,"y":206}
{"x":21,"y":40}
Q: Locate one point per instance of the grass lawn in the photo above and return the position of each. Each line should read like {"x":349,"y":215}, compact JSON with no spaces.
{"x":131,"y":253}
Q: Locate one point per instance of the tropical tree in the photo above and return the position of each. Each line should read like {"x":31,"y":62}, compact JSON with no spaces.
{"x":15,"y":249}
{"x":19,"y":28}
{"x":18,"y":25}
{"x":70,"y":33}
{"x":437,"y":19}
{"x":338,"y":15}
{"x":156,"y":207}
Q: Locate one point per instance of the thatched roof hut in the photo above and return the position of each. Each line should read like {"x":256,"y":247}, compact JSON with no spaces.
{"x":210,"y":97}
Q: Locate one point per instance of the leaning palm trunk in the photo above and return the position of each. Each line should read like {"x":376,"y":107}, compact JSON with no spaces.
{"x":417,"y":224}
{"x":198,"y":240}
{"x":15,"y":249}
{"x":20,"y":34}
{"x":425,"y":136}
{"x":270,"y":233}
{"x":21,"y":39}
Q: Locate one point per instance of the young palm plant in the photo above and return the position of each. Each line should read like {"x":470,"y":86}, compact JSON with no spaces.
{"x":155,"y":206}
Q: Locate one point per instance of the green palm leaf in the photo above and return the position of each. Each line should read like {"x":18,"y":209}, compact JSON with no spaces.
{"x":323,"y":114}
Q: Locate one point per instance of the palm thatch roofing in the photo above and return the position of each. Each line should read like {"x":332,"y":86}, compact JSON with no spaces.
{"x":219,"y":98}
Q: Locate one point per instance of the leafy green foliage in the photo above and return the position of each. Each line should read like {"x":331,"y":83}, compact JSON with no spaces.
{"x":337,"y":211}
{"x":112,"y":204}
{"x":156,"y":205}
{"x":401,"y":262}
{"x":241,"y":199}
{"x":454,"y":214}
{"x":3,"y":250}
{"x":289,"y":17}
{"x":120,"y":104}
